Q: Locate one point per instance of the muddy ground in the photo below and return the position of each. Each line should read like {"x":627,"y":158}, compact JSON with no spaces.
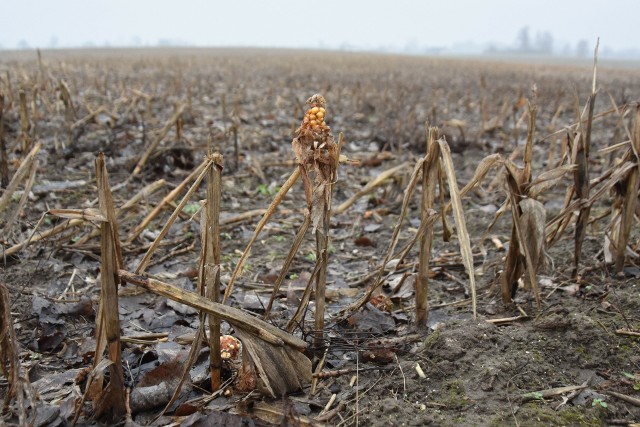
{"x":496,"y":369}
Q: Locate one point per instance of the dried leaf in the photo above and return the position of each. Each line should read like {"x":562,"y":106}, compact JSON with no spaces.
{"x":515,"y":263}
{"x":364,"y":241}
{"x":48,"y":342}
{"x":547,"y":180}
{"x":280,"y":369}
{"x":380,"y":356}
{"x":318,"y":206}
{"x":483,"y":168}
{"x":371,"y":319}
{"x":89,"y":214}
{"x":616,"y":175}
{"x":458,"y":215}
{"x":630,"y":200}
{"x":23,"y":199}
{"x":532,"y":225}
{"x":18,"y":177}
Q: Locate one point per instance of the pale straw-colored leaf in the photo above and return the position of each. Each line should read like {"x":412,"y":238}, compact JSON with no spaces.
{"x":19,"y":176}
{"x":484,"y":167}
{"x":23,"y":199}
{"x":458,"y":215}
{"x":89,"y":214}
{"x":532,"y":222}
{"x":548,"y":179}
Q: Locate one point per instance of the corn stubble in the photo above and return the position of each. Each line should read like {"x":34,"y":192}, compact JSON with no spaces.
{"x":581,"y":174}
{"x":273,"y":360}
{"x":429,"y":175}
{"x":272,"y":356}
{"x":110,"y":400}
{"x":435,"y":167}
{"x":527,"y":244}
{"x":4,"y":162}
{"x":626,"y":200}
{"x":10,"y":367}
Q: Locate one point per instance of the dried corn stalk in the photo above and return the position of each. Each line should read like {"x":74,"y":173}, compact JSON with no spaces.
{"x":210,"y":261}
{"x":581,"y":175}
{"x":526,"y":248}
{"x":627,"y":195}
{"x":19,"y":389}
{"x":318,"y":157}
{"x":110,"y":401}
{"x":429,"y":172}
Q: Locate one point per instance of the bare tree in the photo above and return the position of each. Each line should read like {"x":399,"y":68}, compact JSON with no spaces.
{"x":523,"y":40}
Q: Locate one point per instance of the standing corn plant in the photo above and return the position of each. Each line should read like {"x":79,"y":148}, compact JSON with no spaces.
{"x":318,"y":157}
{"x":581,"y":174}
{"x":429,"y":181}
{"x":516,"y":182}
{"x":527,"y":247}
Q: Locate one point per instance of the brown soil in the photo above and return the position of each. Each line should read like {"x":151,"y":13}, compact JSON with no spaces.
{"x":475,"y":372}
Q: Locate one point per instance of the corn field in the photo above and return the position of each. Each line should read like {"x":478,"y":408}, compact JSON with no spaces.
{"x":315,"y":238}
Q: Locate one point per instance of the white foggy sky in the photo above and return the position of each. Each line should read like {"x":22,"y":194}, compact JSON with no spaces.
{"x":330,"y":23}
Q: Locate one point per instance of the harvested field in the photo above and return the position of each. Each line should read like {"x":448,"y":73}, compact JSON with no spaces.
{"x":555,"y":336}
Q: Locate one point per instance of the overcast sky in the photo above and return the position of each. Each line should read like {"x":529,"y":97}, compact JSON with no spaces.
{"x":321,"y":23}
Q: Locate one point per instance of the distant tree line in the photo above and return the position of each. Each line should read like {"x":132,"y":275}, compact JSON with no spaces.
{"x":543,"y":44}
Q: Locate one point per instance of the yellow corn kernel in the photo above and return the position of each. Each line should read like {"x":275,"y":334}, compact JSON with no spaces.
{"x":314,"y":110}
